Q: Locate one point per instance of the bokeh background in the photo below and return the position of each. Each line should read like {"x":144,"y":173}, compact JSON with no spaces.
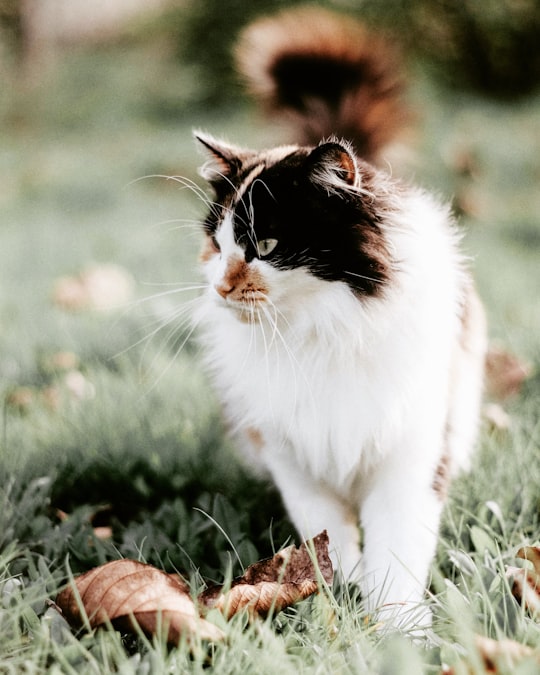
{"x":111,"y":442}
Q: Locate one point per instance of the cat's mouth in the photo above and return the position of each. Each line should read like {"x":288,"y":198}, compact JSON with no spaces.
{"x":247,"y":310}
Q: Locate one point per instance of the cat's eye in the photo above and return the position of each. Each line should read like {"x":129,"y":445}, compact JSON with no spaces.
{"x":266,"y":246}
{"x":215,"y":243}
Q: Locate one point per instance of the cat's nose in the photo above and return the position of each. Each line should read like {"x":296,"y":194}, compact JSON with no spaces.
{"x":224,"y":288}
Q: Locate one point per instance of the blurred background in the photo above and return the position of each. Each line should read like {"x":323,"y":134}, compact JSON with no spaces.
{"x":104,"y":400}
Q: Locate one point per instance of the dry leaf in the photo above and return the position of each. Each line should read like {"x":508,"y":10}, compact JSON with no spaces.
{"x":20,"y":399}
{"x":275,"y":583}
{"x":125,"y":590}
{"x":99,"y":287}
{"x":62,"y":361}
{"x":78,"y":386}
{"x":507,"y":653}
{"x":505,"y":373}
{"x":102,"y":513}
{"x":496,"y":417}
{"x":496,"y":653}
{"x":526,"y":581}
{"x":103,"y":532}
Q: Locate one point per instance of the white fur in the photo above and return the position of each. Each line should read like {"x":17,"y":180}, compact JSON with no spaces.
{"x":351,"y":397}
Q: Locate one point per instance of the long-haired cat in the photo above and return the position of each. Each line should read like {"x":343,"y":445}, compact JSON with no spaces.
{"x":341,"y":325}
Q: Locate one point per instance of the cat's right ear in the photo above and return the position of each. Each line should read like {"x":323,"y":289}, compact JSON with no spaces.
{"x":224,"y":159}
{"x":333,"y":164}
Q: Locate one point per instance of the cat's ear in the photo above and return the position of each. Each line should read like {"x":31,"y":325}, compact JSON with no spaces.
{"x":225,"y":159}
{"x":333,"y":164}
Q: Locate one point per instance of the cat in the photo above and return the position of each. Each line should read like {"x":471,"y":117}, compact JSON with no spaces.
{"x":341,"y":326}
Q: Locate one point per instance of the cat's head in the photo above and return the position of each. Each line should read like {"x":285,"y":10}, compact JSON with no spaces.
{"x":282,"y":219}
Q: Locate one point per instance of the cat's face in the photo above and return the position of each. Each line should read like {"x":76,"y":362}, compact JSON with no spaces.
{"x":285,"y":220}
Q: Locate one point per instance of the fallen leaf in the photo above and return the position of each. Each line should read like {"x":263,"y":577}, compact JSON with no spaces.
{"x":505,"y":373}
{"x":103,"y":532}
{"x":496,"y":417}
{"x":275,"y":583}
{"x":69,"y":294}
{"x":129,"y":593}
{"x":470,"y":201}
{"x":98,"y":287}
{"x":463,"y":160}
{"x":526,"y":581}
{"x":61,"y":361}
{"x":20,"y":399}
{"x":495,"y":654}
{"x":52,"y":398}
{"x":506,"y":653}
{"x":78,"y":386}
{"x":99,"y":520}
{"x":532,"y":554}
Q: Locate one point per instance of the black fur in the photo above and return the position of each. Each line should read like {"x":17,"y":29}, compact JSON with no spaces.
{"x":335,"y":233}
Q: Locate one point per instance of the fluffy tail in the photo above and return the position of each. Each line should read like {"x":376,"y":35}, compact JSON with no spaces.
{"x":328,"y":75}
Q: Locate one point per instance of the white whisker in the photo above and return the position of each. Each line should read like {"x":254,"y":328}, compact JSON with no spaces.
{"x":363,"y":276}
{"x":186,"y":183}
{"x":297,"y":367}
{"x":160,"y":324}
{"x":171,"y":291}
{"x":194,"y":223}
{"x":194,"y":325}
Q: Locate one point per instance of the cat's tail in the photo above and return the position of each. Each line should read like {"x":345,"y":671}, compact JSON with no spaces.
{"x":328,"y":75}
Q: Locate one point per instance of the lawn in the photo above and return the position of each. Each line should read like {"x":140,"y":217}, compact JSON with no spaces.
{"x":111,"y":443}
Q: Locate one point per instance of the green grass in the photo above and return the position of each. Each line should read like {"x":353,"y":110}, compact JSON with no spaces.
{"x":147,"y":454}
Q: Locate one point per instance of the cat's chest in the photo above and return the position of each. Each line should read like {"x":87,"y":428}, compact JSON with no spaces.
{"x":324,"y":396}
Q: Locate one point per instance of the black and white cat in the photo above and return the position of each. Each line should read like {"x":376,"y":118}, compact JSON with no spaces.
{"x":341,"y":325}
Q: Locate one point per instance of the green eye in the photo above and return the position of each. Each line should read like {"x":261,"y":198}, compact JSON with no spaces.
{"x":266,"y":246}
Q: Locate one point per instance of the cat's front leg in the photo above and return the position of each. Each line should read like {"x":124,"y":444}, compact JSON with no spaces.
{"x":313,"y":507}
{"x":400,"y":516}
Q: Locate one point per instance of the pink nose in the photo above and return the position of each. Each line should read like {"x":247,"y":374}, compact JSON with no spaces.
{"x":224,"y":288}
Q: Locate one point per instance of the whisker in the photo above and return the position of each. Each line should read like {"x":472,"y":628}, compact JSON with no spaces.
{"x":171,"y":291}
{"x":186,"y":284}
{"x":184,"y":222}
{"x":194,"y":326}
{"x":227,"y":180}
{"x":177,"y":287}
{"x":363,"y":276}
{"x":176,"y":326}
{"x":186,"y":183}
{"x":297,"y":366}
{"x":160,"y":323}
{"x":266,"y":355}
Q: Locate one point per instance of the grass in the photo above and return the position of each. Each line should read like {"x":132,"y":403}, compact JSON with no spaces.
{"x":146,"y":454}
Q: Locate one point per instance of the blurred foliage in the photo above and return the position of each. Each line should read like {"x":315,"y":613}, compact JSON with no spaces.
{"x":11,"y":27}
{"x":492,"y":46}
{"x":202,"y":35}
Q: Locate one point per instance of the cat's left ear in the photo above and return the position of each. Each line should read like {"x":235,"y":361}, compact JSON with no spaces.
{"x":333,"y":164}
{"x":225,"y":159}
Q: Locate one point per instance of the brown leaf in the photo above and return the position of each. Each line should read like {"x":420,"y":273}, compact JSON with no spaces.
{"x":98,"y":287}
{"x":526,"y":581}
{"x":505,"y":373}
{"x":532,"y":554}
{"x":20,"y":399}
{"x":127,"y":591}
{"x":496,"y":417}
{"x":506,"y":653}
{"x":277,"y":582}
{"x":495,"y":655}
{"x":103,"y":532}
